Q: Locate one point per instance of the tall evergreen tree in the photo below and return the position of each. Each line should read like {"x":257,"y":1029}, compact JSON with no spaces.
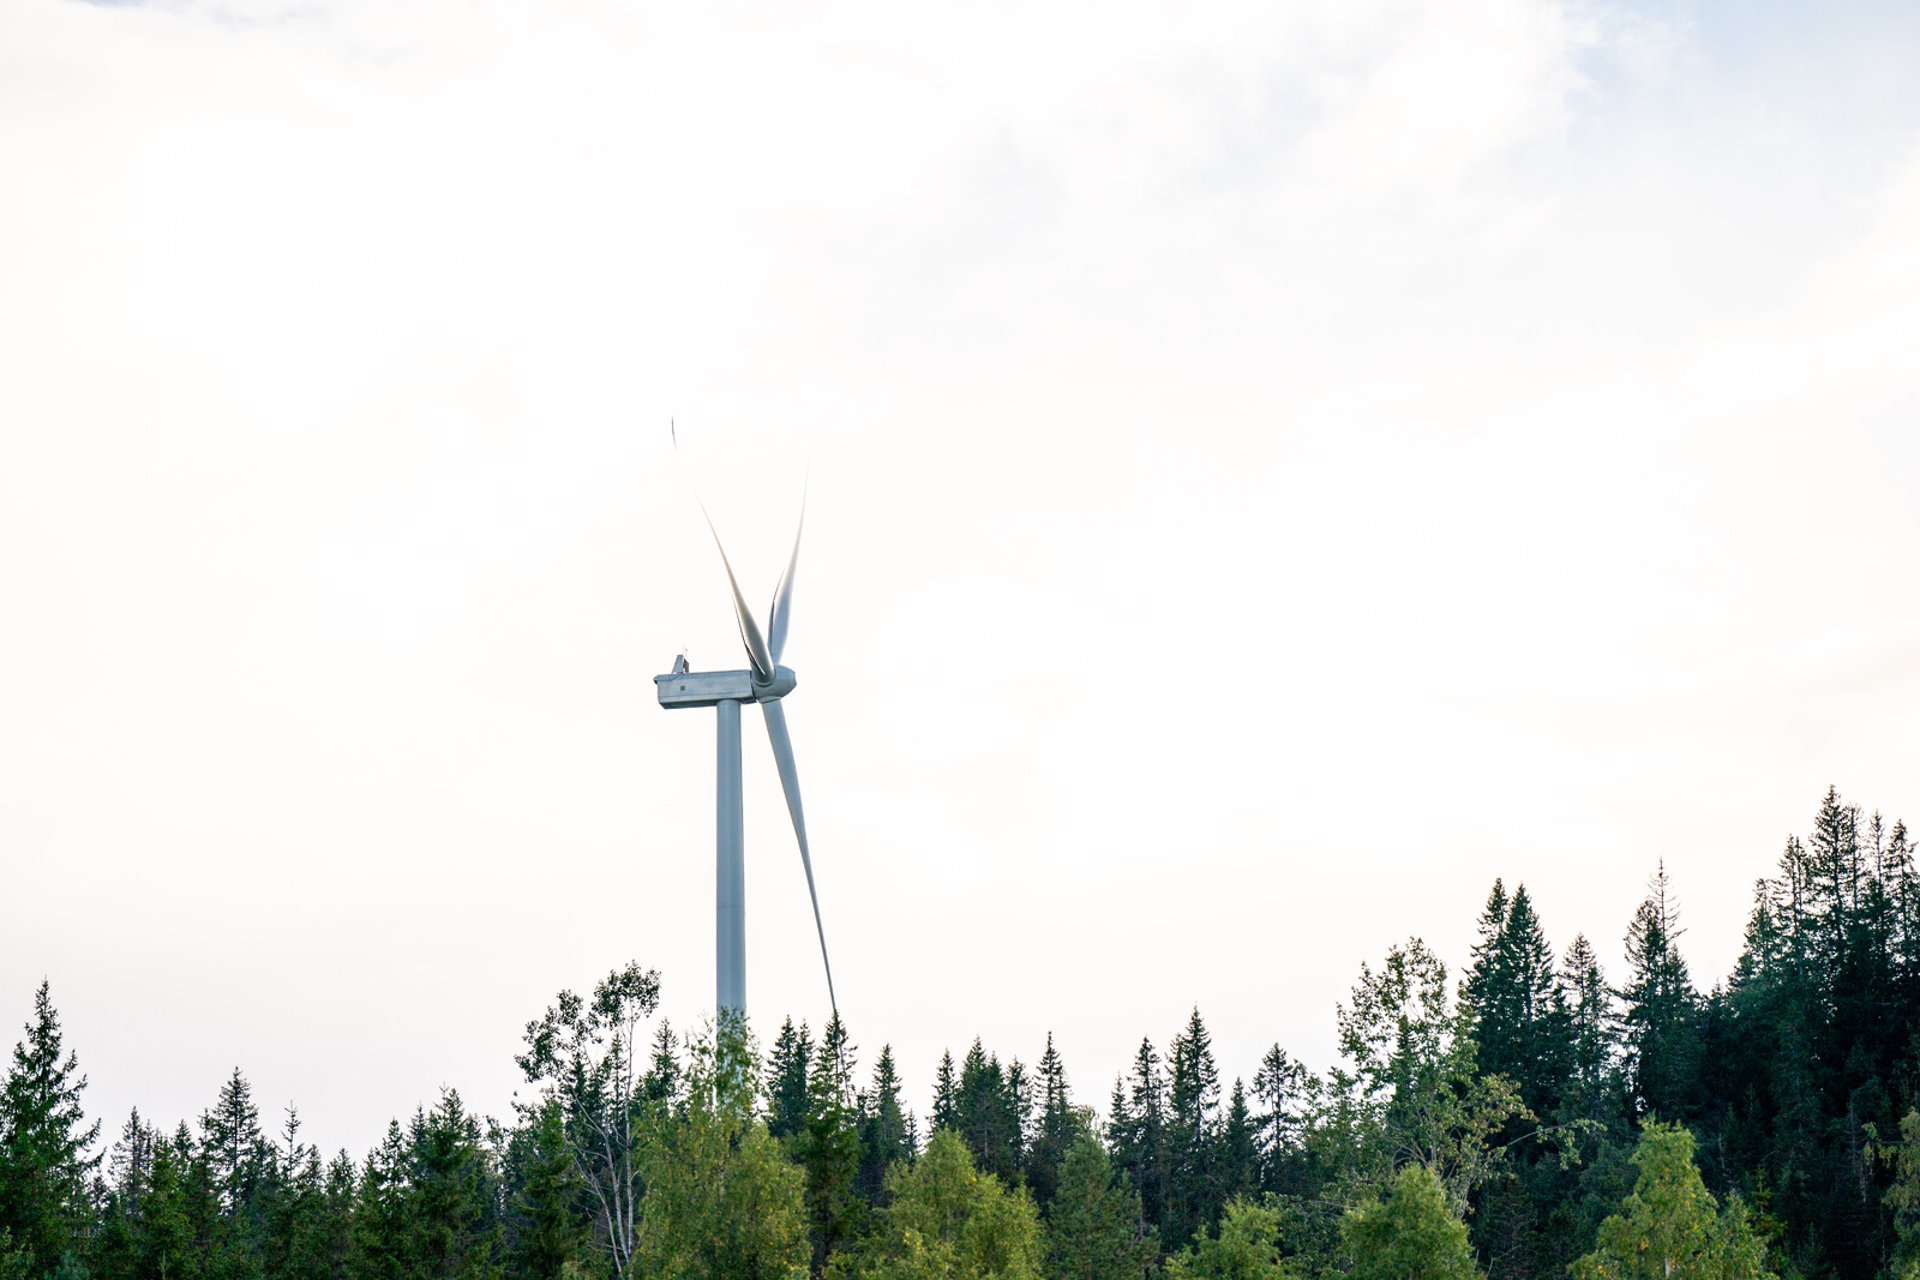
{"x":1659,"y":1020}
{"x":454,"y":1194}
{"x":885,"y":1137}
{"x":828,"y":1146}
{"x":1281,"y":1088}
{"x":1589,"y":1005}
{"x":1192,"y":1133}
{"x":551,"y":1237}
{"x":231,"y":1143}
{"x":1054,"y":1131}
{"x":1137,"y":1131}
{"x":1237,"y":1169}
{"x":946,"y":1097}
{"x":787,"y":1067}
{"x":45,"y":1139}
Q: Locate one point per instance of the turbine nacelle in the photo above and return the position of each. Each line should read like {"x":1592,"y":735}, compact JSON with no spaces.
{"x":711,"y":688}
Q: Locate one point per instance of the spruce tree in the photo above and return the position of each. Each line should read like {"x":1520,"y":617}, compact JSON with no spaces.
{"x":1055,"y":1130}
{"x":1237,"y":1172}
{"x":454,"y":1195}
{"x":946,"y":1097}
{"x":44,"y":1142}
{"x":1589,"y":1005}
{"x":1659,"y":1019}
{"x":551,"y":1237}
{"x":1192,"y":1133}
{"x":1281,"y":1089}
{"x":231,"y":1143}
{"x":787,"y":1066}
{"x":828,"y":1146}
{"x":1139,"y":1131}
{"x":885,"y":1135}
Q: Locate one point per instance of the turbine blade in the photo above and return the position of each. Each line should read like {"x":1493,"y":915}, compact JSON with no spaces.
{"x":783,"y":594}
{"x":790,"y":783}
{"x":749,"y":629}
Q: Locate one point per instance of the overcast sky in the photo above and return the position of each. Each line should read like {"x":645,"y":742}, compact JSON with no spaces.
{"x":1275,"y":468}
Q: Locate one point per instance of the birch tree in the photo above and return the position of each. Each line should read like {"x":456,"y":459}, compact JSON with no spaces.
{"x":587,"y":1056}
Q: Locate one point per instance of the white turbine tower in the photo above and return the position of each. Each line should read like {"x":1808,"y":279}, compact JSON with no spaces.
{"x":765,"y":682}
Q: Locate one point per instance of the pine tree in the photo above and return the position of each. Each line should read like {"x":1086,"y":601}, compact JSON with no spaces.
{"x":44,"y":1142}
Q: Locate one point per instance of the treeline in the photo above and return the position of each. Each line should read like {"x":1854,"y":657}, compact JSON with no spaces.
{"x":1532,"y":1119}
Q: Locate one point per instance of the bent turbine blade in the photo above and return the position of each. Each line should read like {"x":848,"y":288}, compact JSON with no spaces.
{"x":749,"y":629}
{"x":783,"y":594}
{"x":790,"y":783}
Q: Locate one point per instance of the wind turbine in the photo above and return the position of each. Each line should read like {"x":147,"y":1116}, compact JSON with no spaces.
{"x":766,"y":682}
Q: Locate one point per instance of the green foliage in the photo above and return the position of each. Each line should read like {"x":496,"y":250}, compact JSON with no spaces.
{"x":1660,"y":1024}
{"x":723,"y":1202}
{"x":44,"y":1140}
{"x":787,"y":1066}
{"x":1055,"y":1131}
{"x":585,"y":1055}
{"x":1669,"y":1227}
{"x":551,"y":1236}
{"x":1415,"y":1094}
{"x":1192,"y":1133}
{"x":885,"y":1135}
{"x":1903,"y":1196}
{"x":1411,"y":1234}
{"x":1788,"y":1077}
{"x":828,"y":1146}
{"x":946,"y":1219}
{"x":1095,"y":1230}
{"x":1246,"y":1247}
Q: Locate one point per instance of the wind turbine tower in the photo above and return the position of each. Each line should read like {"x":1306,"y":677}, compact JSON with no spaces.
{"x":765,"y":682}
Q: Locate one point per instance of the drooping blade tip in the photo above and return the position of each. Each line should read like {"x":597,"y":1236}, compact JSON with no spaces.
{"x":782,"y":743}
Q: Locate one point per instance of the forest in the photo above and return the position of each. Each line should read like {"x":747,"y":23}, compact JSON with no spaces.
{"x":1531,"y":1116}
